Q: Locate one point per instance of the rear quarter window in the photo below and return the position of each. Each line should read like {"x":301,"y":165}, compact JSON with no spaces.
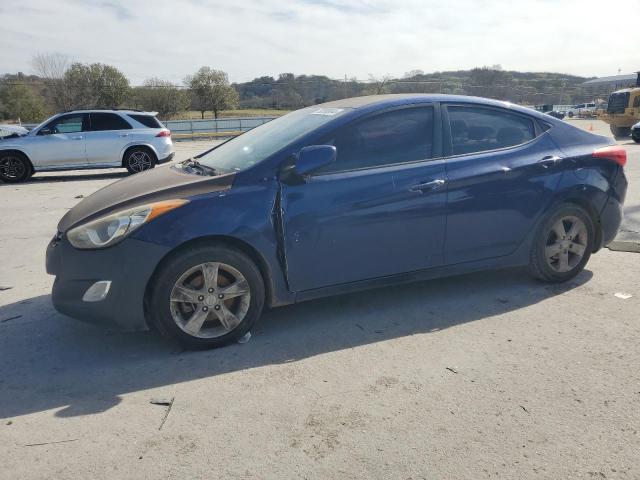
{"x":477,"y":129}
{"x":146,"y":120}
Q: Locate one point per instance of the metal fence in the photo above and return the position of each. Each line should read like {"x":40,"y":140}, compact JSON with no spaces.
{"x":221,"y":127}
{"x":209,"y":128}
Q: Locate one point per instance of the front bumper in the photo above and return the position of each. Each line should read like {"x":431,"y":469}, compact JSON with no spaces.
{"x":128,"y":265}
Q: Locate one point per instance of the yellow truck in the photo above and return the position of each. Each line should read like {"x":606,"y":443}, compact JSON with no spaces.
{"x":623,"y":110}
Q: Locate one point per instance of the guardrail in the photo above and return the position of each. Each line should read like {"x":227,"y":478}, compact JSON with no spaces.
{"x":214,"y":128}
{"x":208,"y":128}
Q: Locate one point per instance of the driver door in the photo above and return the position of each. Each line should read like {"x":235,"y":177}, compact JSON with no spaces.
{"x":61,"y":143}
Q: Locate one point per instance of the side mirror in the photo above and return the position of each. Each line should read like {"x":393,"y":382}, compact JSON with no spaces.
{"x":45,"y":131}
{"x":314,"y":157}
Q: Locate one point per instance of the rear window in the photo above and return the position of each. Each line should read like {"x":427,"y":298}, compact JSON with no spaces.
{"x":146,"y":120}
{"x":477,"y":129}
{"x":108,"y":121}
{"x":618,"y":102}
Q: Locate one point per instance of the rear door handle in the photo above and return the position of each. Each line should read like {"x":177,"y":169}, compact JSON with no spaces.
{"x":549,"y":161}
{"x":79,"y":137}
{"x":124,"y":134}
{"x":428,"y":186}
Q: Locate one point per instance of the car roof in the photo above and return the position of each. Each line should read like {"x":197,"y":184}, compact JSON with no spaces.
{"x":111,"y":110}
{"x":396,"y":99}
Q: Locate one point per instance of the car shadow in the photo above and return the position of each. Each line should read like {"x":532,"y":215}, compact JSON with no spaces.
{"x":74,"y":176}
{"x":52,"y":362}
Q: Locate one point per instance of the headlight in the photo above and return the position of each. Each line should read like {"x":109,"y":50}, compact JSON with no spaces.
{"x":112,"y":228}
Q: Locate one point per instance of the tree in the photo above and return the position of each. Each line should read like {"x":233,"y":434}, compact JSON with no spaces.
{"x":19,"y":102}
{"x":51,"y":67}
{"x":96,"y":85}
{"x":379,"y":85}
{"x":210,"y":90}
{"x":161,"y":96}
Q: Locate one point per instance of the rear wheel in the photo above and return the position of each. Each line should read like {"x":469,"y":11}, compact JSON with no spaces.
{"x":620,"y":132}
{"x":636,"y":137}
{"x":14,"y":167}
{"x":206,"y":297}
{"x":563,"y":244}
{"x":139,"y":159}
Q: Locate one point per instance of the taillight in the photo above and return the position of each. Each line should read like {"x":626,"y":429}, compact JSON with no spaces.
{"x":615,"y":153}
{"x":164,"y":133}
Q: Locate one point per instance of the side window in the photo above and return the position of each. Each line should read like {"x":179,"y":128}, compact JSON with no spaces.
{"x":108,"y":121}
{"x":476,"y":129}
{"x":398,"y":136}
{"x":66,"y":124}
{"x":636,"y":102}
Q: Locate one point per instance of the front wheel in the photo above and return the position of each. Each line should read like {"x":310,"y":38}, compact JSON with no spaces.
{"x":14,"y":167}
{"x":562,"y":245}
{"x":620,"y":132}
{"x":636,"y":137}
{"x":206,"y":297}
{"x":138,"y":160}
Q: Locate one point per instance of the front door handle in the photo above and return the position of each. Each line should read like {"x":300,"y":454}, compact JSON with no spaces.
{"x":549,"y":161}
{"x":124,"y":134}
{"x":79,"y":137}
{"x":428,"y":186}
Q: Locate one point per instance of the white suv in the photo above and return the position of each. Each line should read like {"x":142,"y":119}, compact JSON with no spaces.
{"x":582,"y":110}
{"x":84,"y":139}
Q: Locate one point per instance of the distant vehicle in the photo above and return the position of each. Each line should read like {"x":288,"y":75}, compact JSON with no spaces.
{"x":84,"y":139}
{"x":635,"y":132}
{"x":558,"y":115}
{"x":582,"y":110}
{"x":357,"y":193}
{"x":623,"y":110}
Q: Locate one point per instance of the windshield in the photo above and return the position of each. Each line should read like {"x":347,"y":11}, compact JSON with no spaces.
{"x":255,"y":145}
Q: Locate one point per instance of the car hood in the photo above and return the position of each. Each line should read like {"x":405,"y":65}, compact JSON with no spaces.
{"x":19,"y":129}
{"x":162,"y":183}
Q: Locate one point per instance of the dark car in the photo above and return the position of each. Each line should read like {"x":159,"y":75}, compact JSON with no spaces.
{"x":555,"y":114}
{"x":352,"y":194}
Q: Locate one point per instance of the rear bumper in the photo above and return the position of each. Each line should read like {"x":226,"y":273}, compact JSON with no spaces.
{"x":128,"y":265}
{"x":168,"y":158}
{"x":611,"y":215}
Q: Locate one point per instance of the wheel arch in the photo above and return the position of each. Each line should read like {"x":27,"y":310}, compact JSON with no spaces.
{"x":129,"y":147}
{"x":218,"y":240}
{"x":21,"y":152}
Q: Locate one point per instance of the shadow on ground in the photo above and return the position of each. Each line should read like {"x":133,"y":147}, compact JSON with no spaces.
{"x":49,"y":361}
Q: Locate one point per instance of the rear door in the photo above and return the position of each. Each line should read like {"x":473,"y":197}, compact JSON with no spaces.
{"x":106,"y":139}
{"x":60,"y":143}
{"x":378,"y":211}
{"x":503,"y":170}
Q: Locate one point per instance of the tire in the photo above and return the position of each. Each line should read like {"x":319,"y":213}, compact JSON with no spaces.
{"x":552,"y":268}
{"x":186,"y":308}
{"x":15,"y":167}
{"x":636,"y":137}
{"x":570,"y":114}
{"x":620,"y":132}
{"x":139,"y":159}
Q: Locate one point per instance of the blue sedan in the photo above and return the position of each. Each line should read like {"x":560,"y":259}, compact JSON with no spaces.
{"x":352,"y":194}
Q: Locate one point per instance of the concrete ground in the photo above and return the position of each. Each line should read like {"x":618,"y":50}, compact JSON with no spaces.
{"x":489,"y":375}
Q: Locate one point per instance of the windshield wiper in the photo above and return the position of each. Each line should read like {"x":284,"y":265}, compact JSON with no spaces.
{"x":196,"y":165}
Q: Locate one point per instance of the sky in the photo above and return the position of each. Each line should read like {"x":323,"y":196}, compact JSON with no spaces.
{"x":357,"y":38}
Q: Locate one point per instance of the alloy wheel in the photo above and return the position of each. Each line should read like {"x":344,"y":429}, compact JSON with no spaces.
{"x":210,"y":300}
{"x":566,"y":244}
{"x":12,"y":167}
{"x":139,"y":161}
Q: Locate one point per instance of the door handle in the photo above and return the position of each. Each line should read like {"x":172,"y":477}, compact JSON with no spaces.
{"x":124,"y":135}
{"x":79,"y":137}
{"x":549,"y":161}
{"x":428,"y":186}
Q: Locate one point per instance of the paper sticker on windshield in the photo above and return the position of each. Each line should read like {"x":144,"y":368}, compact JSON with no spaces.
{"x":326,"y":111}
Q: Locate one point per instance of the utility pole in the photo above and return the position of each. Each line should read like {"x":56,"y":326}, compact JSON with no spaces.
{"x":345,"y":85}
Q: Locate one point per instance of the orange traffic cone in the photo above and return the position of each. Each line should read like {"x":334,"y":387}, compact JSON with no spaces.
{"x":591,"y":127}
